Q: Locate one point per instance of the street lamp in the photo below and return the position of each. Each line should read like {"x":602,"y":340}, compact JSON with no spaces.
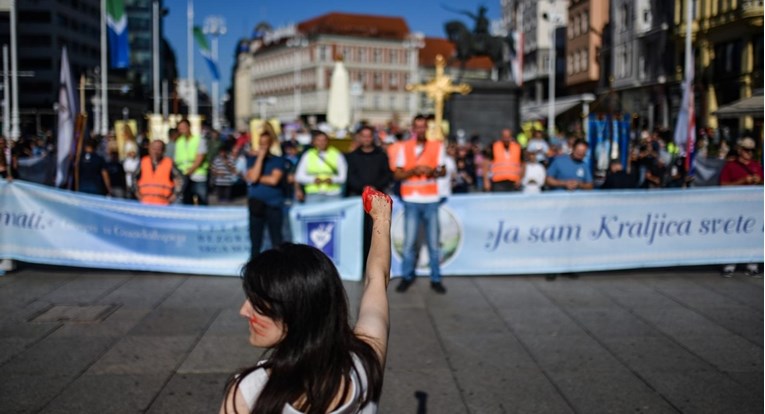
{"x":413,"y":44}
{"x":215,"y":26}
{"x":556,"y":20}
{"x":299,"y":42}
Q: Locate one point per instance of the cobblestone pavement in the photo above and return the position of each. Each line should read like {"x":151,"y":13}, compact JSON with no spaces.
{"x":672,"y":340}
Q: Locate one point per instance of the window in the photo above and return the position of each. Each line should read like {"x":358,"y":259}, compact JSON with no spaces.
{"x":625,"y":16}
{"x":577,"y":61}
{"x":585,"y":60}
{"x":576,"y":25}
{"x":363,"y":58}
{"x":376,"y":102}
{"x":392,"y":102}
{"x":393,"y":56}
{"x":378,"y":79}
{"x":585,"y":23}
{"x":377,"y":53}
{"x":569,"y":64}
{"x":393,"y":80}
{"x":322,"y":53}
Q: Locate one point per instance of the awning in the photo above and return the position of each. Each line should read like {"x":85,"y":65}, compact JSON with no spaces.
{"x":752,"y":106}
{"x":562,"y":104}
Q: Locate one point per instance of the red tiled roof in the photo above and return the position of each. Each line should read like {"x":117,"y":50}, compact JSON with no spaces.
{"x":363,"y":25}
{"x":439,"y":46}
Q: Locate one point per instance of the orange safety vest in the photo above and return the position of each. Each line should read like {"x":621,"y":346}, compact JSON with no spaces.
{"x":506,"y":165}
{"x":156,"y":185}
{"x":393,"y":155}
{"x":420,"y":184}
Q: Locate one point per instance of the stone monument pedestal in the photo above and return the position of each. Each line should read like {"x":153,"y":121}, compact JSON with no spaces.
{"x":485,"y":111}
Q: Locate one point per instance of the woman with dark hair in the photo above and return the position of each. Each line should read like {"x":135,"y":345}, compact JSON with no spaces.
{"x":297,"y":309}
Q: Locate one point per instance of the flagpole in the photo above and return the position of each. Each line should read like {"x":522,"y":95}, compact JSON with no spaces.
{"x":104,"y":74}
{"x":688,"y":24}
{"x":155,"y":54}
{"x":6,"y":90}
{"x":15,"y":132}
{"x":215,"y":26}
{"x":190,"y":58}
{"x":689,"y":74}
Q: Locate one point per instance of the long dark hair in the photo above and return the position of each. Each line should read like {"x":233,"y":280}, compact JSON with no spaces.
{"x":299,"y":286}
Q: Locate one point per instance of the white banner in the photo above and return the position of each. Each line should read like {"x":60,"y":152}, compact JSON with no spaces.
{"x":596,"y":230}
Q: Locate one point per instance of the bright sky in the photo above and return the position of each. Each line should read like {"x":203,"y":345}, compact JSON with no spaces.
{"x":426,"y":16}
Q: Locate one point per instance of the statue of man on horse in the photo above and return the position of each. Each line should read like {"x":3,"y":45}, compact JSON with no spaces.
{"x":478,"y":42}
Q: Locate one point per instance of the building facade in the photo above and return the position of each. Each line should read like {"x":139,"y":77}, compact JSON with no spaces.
{"x":46,"y":26}
{"x":543,"y":26}
{"x":642,"y":61}
{"x":728,"y":39}
{"x":584,"y":35}
{"x":286,"y":74}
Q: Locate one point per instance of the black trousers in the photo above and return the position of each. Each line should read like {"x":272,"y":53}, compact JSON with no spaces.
{"x":503,"y":186}
{"x":269,"y":216}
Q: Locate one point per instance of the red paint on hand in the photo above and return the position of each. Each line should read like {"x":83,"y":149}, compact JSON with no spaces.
{"x":370,"y":192}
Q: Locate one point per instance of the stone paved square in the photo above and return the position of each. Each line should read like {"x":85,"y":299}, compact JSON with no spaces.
{"x":662,"y":341}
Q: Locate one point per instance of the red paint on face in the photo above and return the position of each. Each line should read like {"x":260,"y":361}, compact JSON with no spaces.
{"x":370,"y":192}
{"x":259,"y":324}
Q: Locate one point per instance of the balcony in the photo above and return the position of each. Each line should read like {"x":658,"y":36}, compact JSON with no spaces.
{"x":751,"y":8}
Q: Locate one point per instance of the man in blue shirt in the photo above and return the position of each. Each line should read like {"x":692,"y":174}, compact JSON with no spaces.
{"x":570,"y":172}
{"x":265,"y":194}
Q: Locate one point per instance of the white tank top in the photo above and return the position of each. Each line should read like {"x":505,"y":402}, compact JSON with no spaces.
{"x":253,"y":384}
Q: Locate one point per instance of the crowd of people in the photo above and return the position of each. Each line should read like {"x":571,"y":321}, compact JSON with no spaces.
{"x":273,"y":171}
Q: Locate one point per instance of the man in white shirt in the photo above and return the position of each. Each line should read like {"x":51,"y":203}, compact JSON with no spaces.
{"x":419,"y":164}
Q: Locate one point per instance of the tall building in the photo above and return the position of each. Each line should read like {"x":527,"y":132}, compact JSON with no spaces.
{"x":45,"y":26}
{"x":584,"y":33}
{"x":728,"y":40}
{"x":642,"y":61}
{"x":286,"y":73}
{"x":543,"y":26}
{"x":139,"y":16}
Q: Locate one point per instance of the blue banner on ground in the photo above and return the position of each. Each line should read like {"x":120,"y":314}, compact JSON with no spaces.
{"x":480,"y":234}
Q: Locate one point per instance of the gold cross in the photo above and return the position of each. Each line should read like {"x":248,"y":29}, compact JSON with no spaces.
{"x":438,"y":89}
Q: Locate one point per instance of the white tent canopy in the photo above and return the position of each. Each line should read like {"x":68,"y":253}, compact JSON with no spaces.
{"x":752,"y":106}
{"x":562,"y":104}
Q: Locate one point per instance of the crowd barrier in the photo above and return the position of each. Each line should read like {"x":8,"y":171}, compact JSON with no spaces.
{"x":486,"y":234}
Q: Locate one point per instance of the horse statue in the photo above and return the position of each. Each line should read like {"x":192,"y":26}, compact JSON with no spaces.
{"x":469,"y":44}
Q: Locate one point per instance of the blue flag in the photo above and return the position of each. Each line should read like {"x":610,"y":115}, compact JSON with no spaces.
{"x":116,"y":22}
{"x":204,"y":48}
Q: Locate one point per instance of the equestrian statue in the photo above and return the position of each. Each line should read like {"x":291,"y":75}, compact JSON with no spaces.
{"x":479,"y":42}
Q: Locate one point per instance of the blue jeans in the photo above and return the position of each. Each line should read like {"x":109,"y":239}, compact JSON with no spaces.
{"x":194,"y":188}
{"x":414,"y":215}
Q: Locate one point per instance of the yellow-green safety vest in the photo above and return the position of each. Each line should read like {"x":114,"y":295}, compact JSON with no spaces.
{"x":317,"y":168}
{"x":186,"y":153}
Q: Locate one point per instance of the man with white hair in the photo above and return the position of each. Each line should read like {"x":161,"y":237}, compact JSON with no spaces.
{"x":744,"y":170}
